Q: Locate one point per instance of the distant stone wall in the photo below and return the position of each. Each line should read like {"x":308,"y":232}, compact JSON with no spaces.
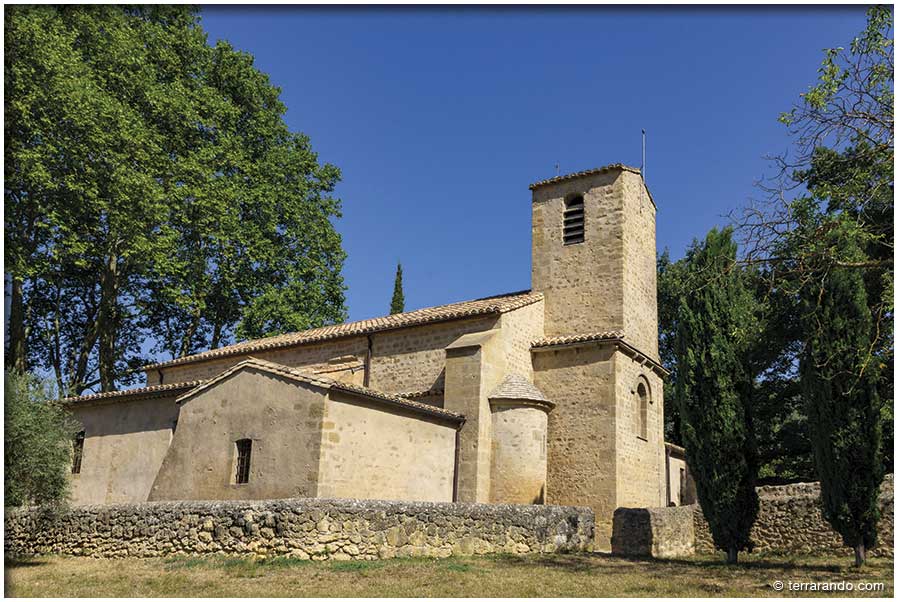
{"x":314,"y":529}
{"x":790,"y":522}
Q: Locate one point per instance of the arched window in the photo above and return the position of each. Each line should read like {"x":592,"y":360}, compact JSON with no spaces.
{"x":643,"y":397}
{"x":574,"y":220}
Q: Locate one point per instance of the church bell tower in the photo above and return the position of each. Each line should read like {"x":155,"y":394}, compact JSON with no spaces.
{"x":594,"y":255}
{"x":594,"y":260}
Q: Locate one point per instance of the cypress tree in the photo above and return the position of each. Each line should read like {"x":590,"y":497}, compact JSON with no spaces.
{"x":717,"y":322}
{"x":397,"y":305}
{"x":839,"y":377}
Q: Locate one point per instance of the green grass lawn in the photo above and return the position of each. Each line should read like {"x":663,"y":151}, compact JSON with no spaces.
{"x":575,"y":575}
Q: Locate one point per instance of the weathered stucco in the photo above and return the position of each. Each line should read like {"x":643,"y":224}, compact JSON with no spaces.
{"x":281,"y":417}
{"x":124,"y":445}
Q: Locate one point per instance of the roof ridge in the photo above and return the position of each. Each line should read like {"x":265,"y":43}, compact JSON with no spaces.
{"x":586,"y":172}
{"x":449,"y":311}
{"x":148,"y":390}
{"x":577,"y":338}
{"x":322,"y":382}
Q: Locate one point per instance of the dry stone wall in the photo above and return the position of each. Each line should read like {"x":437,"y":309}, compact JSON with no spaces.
{"x":314,"y":529}
{"x":790,"y":522}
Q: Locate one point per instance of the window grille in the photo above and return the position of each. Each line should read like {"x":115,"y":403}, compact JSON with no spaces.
{"x":77,"y":452}
{"x":574,"y":220}
{"x":244,"y":454}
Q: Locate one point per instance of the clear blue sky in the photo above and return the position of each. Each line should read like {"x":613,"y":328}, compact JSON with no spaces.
{"x":440,"y":118}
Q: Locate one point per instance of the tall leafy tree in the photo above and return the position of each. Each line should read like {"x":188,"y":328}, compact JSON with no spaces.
{"x":840,"y":381}
{"x":397,"y":304}
{"x":827,"y":239}
{"x":784,"y":449}
{"x":38,"y":438}
{"x":153,"y":190}
{"x":717,"y":327}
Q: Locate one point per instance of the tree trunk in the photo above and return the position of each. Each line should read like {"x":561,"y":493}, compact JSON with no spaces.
{"x":216,"y":335}
{"x":106,"y":323}
{"x":860,"y":555}
{"x":732,"y":555}
{"x":187,"y":338}
{"x":15,"y":358}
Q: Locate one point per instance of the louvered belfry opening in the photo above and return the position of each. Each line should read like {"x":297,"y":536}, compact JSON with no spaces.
{"x":244,"y":454}
{"x":574,"y":220}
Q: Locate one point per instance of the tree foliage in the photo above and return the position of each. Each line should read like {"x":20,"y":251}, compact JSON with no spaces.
{"x":717,"y":330}
{"x":825,"y":237}
{"x":397,"y":303}
{"x":153,"y":190}
{"x":840,"y":378}
{"x":780,"y":420}
{"x":37,"y":443}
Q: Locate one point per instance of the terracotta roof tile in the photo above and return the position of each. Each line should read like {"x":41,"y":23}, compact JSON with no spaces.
{"x":324,"y":383}
{"x":422,"y":393}
{"x":400,"y":401}
{"x":452,"y":311}
{"x":150,"y":391}
{"x":588,"y":172}
{"x":612,"y":335}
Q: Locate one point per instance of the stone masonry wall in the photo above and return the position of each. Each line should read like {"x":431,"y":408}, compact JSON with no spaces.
{"x":655,"y":532}
{"x":790,"y":521}
{"x":316,"y":529}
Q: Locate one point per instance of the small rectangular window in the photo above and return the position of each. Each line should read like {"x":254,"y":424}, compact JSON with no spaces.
{"x":574,"y":220}
{"x":77,"y":452}
{"x":244,"y":455}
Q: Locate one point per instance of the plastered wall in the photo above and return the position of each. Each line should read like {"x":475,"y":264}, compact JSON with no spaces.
{"x":283,"y":419}
{"x":124,"y":445}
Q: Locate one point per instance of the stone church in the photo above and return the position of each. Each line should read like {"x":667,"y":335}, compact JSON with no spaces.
{"x":551,"y":395}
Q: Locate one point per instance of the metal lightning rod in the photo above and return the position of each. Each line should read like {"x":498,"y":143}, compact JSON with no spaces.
{"x":642,"y":170}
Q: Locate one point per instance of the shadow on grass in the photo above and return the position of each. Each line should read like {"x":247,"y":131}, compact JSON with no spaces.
{"x":746,"y":563}
{"x":23,"y":561}
{"x":606,"y":562}
{"x":567,"y":562}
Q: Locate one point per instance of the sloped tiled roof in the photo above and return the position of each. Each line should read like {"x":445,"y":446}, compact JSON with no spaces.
{"x":423,"y":393}
{"x":588,"y":172}
{"x":464,"y":309}
{"x":611,"y":335}
{"x":516,"y":386}
{"x":151,"y":391}
{"x":323,"y":383}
